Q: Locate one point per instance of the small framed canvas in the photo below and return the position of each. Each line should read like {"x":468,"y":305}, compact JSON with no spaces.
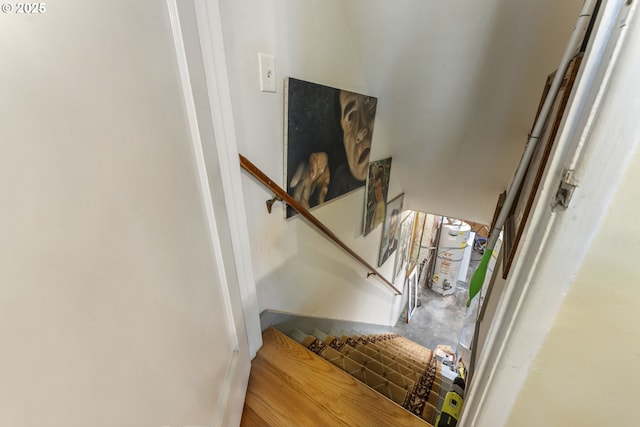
{"x":390,"y":230}
{"x":416,"y":241}
{"x":375,"y":198}
{"x":406,"y":234}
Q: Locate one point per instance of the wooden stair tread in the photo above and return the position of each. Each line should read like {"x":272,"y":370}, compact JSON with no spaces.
{"x":265,"y":399}
{"x":250,"y":418}
{"x":290,"y":385}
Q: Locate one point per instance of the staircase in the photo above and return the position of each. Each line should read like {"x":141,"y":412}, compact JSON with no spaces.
{"x":327,"y":379}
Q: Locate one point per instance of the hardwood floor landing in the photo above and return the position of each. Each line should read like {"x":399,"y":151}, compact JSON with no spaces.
{"x":291,"y":386}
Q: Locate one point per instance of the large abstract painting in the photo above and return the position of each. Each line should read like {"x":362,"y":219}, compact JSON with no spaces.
{"x":375,"y":198}
{"x":328,"y":136}
{"x":391,"y":229}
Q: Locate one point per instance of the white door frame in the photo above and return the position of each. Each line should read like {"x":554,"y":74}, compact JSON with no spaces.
{"x":219,"y":92}
{"x":197,"y":36}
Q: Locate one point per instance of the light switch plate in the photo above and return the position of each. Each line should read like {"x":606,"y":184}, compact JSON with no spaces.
{"x":267,"y":72}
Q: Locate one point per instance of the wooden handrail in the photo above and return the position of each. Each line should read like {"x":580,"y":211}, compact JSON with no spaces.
{"x":282,"y":194}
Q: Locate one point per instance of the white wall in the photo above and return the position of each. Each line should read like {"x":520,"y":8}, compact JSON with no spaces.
{"x":110,"y":313}
{"x":587,"y":369}
{"x":462,"y":81}
{"x":296,"y":269}
{"x":586,"y":373}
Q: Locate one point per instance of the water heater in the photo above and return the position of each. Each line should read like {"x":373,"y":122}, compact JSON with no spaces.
{"x":454,"y":235}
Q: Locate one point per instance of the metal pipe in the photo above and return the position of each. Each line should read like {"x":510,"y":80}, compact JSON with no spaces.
{"x":572,"y":48}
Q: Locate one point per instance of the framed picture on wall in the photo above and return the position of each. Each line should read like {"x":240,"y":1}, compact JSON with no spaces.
{"x":328,"y":135}
{"x":375,"y":198}
{"x":404,"y":242}
{"x":418,"y":229}
{"x":391,"y":229}
{"x":412,"y":286}
{"x":517,"y":219}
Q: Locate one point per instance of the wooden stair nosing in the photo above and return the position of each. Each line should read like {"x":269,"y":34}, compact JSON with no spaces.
{"x":413,"y":347}
{"x":382,"y":385}
{"x":250,"y":418}
{"x":418,"y":359}
{"x":386,"y":360}
{"x":397,"y":357}
{"x":399,"y":360}
{"x":396,"y":377}
{"x":429,"y":413}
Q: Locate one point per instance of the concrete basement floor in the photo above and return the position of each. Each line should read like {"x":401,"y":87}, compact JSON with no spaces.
{"x":439,"y":319}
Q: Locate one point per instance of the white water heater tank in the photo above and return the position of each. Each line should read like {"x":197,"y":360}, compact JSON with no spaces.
{"x":451,"y":246}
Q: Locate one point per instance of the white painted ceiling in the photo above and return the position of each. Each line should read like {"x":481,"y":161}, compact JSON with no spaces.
{"x":458,"y":84}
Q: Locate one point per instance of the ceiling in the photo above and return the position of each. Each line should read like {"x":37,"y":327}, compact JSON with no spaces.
{"x":458,"y":84}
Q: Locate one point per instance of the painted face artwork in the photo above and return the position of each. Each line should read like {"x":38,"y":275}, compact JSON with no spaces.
{"x":393,"y":225}
{"x":335,"y":126}
{"x":357,"y":118}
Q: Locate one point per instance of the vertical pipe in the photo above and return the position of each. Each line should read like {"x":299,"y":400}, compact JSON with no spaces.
{"x":572,"y":48}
